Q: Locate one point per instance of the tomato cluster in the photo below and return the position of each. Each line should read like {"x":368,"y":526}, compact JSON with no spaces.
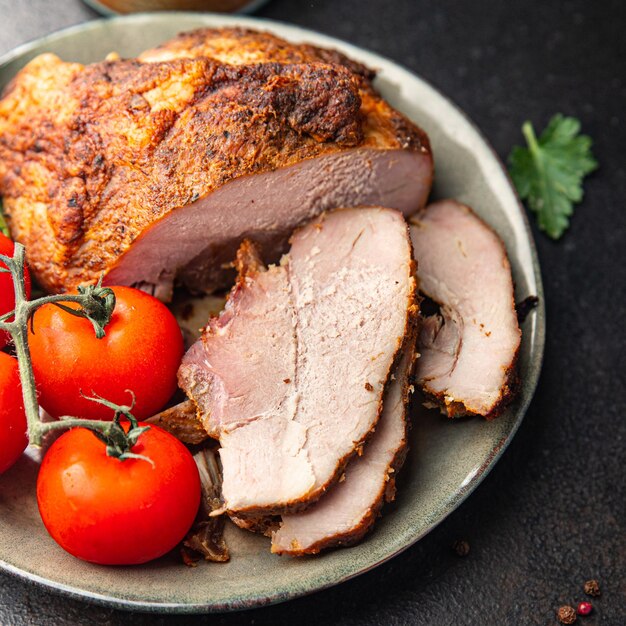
{"x":98,"y":507}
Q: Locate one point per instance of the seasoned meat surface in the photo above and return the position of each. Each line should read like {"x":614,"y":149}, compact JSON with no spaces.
{"x":469,"y":350}
{"x":151,"y":172}
{"x":291,"y":375}
{"x":243,"y":46}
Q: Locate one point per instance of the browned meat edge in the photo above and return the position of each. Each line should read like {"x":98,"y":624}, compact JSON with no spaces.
{"x":181,"y":421}
{"x":260,"y":525}
{"x":271,"y":44}
{"x":457,"y":409}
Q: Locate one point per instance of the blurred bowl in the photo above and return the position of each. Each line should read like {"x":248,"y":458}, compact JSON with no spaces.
{"x":124,"y":7}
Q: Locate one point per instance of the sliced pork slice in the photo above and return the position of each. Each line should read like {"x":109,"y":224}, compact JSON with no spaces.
{"x":469,"y":352}
{"x":290,"y":376}
{"x":349,"y":509}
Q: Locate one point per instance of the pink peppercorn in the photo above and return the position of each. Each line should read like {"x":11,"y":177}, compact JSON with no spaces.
{"x":584,"y":608}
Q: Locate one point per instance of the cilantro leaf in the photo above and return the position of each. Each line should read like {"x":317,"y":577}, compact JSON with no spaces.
{"x":549,"y":172}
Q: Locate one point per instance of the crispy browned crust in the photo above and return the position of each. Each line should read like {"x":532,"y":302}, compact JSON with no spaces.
{"x":181,"y":421}
{"x":242,"y":45}
{"x":248,"y":261}
{"x":509,"y":390}
{"x":92,"y":156}
{"x":458,"y":409}
{"x":237,"y":45}
{"x":263,"y":525}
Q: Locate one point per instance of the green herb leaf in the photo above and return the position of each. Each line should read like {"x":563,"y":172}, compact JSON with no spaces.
{"x":4,"y":229}
{"x":548,"y":174}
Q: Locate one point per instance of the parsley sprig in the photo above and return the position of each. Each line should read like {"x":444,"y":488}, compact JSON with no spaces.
{"x":548,"y":174}
{"x":4,"y":229}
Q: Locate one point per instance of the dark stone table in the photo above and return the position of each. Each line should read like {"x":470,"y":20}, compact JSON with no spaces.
{"x":552,"y":513}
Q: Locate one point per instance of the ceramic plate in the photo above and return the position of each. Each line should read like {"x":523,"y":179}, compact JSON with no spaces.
{"x":448,"y":459}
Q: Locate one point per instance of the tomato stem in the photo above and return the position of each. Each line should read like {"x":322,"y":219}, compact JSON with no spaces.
{"x":96,"y":303}
{"x":18,"y":329}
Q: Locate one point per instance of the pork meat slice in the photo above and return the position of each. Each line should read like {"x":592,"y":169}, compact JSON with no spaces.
{"x":469,"y":351}
{"x":349,"y":509}
{"x":290,"y":376}
{"x":153,"y":173}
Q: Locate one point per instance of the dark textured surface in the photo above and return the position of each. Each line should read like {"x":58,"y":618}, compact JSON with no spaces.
{"x":552,"y":512}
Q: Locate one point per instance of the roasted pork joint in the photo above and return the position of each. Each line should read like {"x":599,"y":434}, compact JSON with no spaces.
{"x":290,"y":377}
{"x":469,"y":350}
{"x":152,"y":172}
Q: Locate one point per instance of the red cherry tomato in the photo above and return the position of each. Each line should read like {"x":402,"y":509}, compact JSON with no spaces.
{"x":141,"y":352}
{"x":113,"y":512}
{"x":7,"y":294}
{"x":13,"y":438}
